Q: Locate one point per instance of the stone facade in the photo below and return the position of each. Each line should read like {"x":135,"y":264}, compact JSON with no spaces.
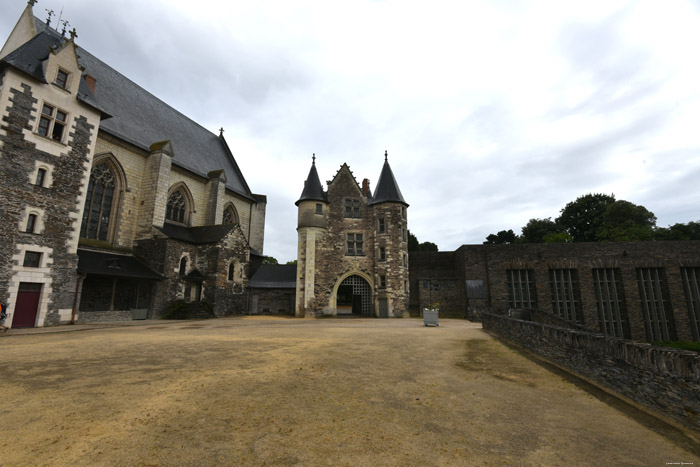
{"x":654,"y":284}
{"x":67,"y":126}
{"x":352,"y":249}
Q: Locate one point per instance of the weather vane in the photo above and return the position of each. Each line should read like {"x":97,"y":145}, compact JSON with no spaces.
{"x":48,"y":20}
{"x":65,"y":25}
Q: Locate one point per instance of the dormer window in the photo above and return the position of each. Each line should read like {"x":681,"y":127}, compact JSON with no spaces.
{"x":62,"y":79}
{"x":52,"y":123}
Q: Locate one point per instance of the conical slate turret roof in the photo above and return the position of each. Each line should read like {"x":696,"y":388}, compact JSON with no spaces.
{"x":313,"y":191}
{"x":387,"y":190}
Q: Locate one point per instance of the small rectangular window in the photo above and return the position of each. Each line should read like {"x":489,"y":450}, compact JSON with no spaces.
{"x":40,"y":177}
{"x":354,"y":244}
{"x":381,"y":225}
{"x":521,"y":288}
{"x":352,"y":207}
{"x":52,"y":123}
{"x":382,"y":253}
{"x":31,"y":223}
{"x":382,"y":282}
{"x":62,"y":79}
{"x":319,"y":208}
{"x":32,"y":259}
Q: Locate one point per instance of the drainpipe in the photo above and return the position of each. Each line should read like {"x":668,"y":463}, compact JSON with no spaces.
{"x":78,"y":283}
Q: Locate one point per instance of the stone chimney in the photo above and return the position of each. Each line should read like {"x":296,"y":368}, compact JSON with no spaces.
{"x":365,"y":186}
{"x":91,"y":82}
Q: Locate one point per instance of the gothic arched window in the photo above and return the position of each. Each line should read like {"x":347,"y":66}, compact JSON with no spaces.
{"x":230,"y":215}
{"x":177,"y":207}
{"x":231,"y":270}
{"x":183,"y":266}
{"x":99,"y":203}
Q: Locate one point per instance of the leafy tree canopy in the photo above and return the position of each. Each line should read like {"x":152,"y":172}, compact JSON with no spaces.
{"x":624,"y":222}
{"x":504,"y":236}
{"x":537,"y":230}
{"x":689,"y":231}
{"x":583,"y":217}
{"x":269,"y":260}
{"x":413,"y":244}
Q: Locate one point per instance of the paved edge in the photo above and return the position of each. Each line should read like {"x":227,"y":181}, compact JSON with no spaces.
{"x":678,"y":434}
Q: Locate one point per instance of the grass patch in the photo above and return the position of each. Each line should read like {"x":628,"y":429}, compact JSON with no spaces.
{"x":694,"y":346}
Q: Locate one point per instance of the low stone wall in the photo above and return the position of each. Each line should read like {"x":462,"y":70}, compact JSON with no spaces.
{"x":664,"y":380}
{"x":85,"y":317}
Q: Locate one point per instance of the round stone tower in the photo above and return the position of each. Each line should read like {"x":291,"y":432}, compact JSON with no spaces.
{"x":390,"y":215}
{"x":311,"y":225}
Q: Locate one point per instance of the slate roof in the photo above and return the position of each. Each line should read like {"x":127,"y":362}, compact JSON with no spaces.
{"x":137,"y":116}
{"x":313,"y":191}
{"x":197,"y":235}
{"x":274,"y":276}
{"x":387,"y":190}
{"x":113,"y":265}
{"x":29,"y":59}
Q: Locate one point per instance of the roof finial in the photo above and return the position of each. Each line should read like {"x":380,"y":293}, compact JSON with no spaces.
{"x":48,"y":20}
{"x":65,"y":25}
{"x":31,"y":2}
{"x":313,"y":159}
{"x":73,"y":34}
{"x":386,"y":156}
{"x":221,"y":131}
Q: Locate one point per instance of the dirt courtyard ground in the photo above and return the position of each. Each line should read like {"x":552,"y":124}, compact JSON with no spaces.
{"x":274,"y":391}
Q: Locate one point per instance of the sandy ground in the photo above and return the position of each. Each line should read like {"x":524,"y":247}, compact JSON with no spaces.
{"x":289,"y":391}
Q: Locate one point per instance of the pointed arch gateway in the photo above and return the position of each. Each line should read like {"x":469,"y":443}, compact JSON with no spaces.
{"x":353,"y":295}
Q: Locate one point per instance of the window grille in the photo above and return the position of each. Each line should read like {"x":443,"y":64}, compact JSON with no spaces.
{"x":230,"y":216}
{"x":566,"y":295}
{"x":354,"y":244}
{"x":656,"y":305}
{"x":691,"y":283}
{"x":98,"y":203}
{"x":521,"y":288}
{"x":610,"y":301}
{"x":352,"y":207}
{"x":361,"y":287}
{"x":176,"y":209}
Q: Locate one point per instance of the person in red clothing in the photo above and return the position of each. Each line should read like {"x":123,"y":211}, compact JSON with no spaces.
{"x":3,"y":316}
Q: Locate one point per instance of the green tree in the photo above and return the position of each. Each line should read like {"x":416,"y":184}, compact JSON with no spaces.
{"x":559,"y":237}
{"x":536,"y":230}
{"x":412,"y":242}
{"x":292,"y":262}
{"x":504,"y":236}
{"x":689,"y":231}
{"x":427,"y":246}
{"x":269,"y":260}
{"x":583,"y":217}
{"x":625,"y":221}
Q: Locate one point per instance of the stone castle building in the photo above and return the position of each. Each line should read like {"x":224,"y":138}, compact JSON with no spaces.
{"x":353,"y":250}
{"x":113,"y":203}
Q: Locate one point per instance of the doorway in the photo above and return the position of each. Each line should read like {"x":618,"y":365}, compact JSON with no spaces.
{"x":27,"y":305}
{"x":354,"y":297}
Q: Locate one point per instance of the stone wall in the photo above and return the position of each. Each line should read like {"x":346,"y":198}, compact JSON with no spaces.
{"x":664,"y":380}
{"x":272,"y":301}
{"x":489,"y":264}
{"x":435,"y":278}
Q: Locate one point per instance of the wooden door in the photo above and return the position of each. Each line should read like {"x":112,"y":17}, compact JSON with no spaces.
{"x":27,"y":305}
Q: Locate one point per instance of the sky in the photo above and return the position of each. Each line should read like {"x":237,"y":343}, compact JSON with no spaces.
{"x":492,"y":112}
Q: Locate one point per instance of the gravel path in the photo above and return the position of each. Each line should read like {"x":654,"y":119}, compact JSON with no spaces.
{"x":275,"y":391}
